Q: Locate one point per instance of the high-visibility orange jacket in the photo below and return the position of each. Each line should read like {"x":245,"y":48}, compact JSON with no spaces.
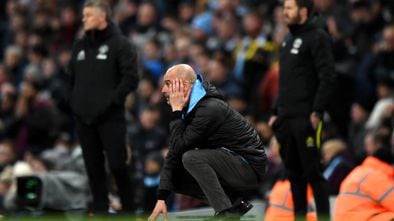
{"x":281,"y":206}
{"x":367,"y":193}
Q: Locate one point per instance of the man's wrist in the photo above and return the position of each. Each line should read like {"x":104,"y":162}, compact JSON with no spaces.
{"x":176,"y":109}
{"x":162,"y":194}
{"x":176,"y":115}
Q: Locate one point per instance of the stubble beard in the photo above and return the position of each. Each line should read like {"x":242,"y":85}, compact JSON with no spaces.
{"x":294,"y":20}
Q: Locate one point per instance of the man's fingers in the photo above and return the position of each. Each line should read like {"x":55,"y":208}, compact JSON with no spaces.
{"x":181,"y":86}
{"x":272,"y":121}
{"x":177,"y":85}
{"x":165,"y":215}
{"x":172,"y":86}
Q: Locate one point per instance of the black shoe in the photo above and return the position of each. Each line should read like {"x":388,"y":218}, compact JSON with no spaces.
{"x":241,"y":207}
{"x":226,"y":216}
{"x":235,"y":212}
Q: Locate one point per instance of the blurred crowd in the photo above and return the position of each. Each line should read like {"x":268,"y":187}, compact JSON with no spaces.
{"x":232,"y":43}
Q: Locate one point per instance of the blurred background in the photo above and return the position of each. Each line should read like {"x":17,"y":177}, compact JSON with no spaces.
{"x":232,"y":43}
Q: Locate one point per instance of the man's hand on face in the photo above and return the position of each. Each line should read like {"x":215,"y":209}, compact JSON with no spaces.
{"x":179,"y":95}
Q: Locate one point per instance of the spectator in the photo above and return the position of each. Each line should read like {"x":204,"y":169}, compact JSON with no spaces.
{"x":146,"y":26}
{"x":143,"y":98}
{"x":383,"y":67}
{"x":14,"y":64}
{"x":186,"y":12}
{"x":7,"y":111}
{"x":202,"y":26}
{"x":384,"y":106}
{"x":151,"y":59}
{"x":67,"y":28}
{"x":153,"y":164}
{"x":125,"y":14}
{"x":182,"y":46}
{"x":359,"y":116}
{"x":364,"y":30}
{"x":251,"y":58}
{"x":35,"y":116}
{"x":7,"y":155}
{"x":374,"y":141}
{"x":227,"y":35}
{"x":268,"y":90}
{"x":146,"y":136}
{"x":337,"y":163}
{"x":219,"y":74}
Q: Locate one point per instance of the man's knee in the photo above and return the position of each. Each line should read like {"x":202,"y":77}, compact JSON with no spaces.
{"x":190,"y":158}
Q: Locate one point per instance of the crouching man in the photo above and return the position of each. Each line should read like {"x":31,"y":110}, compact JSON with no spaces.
{"x":214,"y":154}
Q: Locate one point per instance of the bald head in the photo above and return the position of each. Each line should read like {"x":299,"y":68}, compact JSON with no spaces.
{"x":182,"y":71}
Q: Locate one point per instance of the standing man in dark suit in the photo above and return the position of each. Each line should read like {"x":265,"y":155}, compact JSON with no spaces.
{"x":103,"y":71}
{"x":306,"y":84}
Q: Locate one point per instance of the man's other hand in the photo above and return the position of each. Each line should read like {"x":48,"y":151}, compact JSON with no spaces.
{"x":272,"y":120}
{"x":160,"y":207}
{"x":315,"y":119}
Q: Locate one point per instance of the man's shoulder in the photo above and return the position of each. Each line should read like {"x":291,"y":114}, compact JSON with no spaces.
{"x":212,"y":101}
{"x":121,"y":43}
{"x":211,"y":105}
{"x":315,"y":37}
{"x":119,"y":39}
{"x":322,"y":32}
{"x":318,"y":33}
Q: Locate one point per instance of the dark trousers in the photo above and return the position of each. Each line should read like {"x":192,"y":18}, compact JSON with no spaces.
{"x":215,"y":175}
{"x":106,"y":138}
{"x":300,"y":152}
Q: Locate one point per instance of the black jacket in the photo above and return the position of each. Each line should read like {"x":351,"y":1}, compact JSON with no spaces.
{"x":103,"y":71}
{"x":211,"y":124}
{"x":306,"y":72}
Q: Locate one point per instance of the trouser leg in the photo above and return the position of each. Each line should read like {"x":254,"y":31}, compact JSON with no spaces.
{"x":216,"y":171}
{"x":113,"y":135}
{"x":291,"y":160}
{"x":94,"y":162}
{"x":308,"y":143}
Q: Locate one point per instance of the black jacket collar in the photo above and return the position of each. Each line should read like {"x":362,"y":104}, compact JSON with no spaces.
{"x":297,"y":29}
{"x":96,"y":37}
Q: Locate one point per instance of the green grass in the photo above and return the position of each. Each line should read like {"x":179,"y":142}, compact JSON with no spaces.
{"x":64,"y":217}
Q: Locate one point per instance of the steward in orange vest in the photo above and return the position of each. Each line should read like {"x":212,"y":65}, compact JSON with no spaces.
{"x":281,"y":207}
{"x":367,"y":193}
